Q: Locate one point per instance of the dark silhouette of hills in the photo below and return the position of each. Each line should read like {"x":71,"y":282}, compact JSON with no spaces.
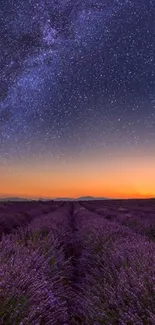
{"x":82,"y":198}
{"x":87,"y":198}
{"x":19,"y":199}
{"x":64,"y":199}
{"x":14,"y":199}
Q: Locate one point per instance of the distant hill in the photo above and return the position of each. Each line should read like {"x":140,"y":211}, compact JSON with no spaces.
{"x":64,"y":199}
{"x":82,"y":198}
{"x":87,"y":198}
{"x":13,"y":199}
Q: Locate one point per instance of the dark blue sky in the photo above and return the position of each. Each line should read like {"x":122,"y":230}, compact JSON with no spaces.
{"x":76,"y":76}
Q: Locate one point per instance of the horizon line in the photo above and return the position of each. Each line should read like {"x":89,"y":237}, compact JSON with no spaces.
{"x":75,"y":198}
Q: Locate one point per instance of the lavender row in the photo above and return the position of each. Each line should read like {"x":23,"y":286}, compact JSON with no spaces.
{"x":12,"y":218}
{"x":9,"y":206}
{"x":139,"y":224}
{"x":116,"y":273}
{"x":34,"y":272}
{"x":140,"y":221}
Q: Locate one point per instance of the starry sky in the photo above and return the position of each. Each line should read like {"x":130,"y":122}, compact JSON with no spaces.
{"x":77,"y":98}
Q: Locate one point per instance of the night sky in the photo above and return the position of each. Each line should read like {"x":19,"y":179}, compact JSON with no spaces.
{"x":77,"y":98}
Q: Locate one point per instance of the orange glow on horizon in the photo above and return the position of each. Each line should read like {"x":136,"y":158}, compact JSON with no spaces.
{"x":122,"y":177}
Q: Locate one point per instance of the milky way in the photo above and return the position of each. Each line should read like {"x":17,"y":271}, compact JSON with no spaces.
{"x":76,"y":75}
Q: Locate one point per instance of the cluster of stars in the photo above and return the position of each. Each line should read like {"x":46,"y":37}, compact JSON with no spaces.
{"x":76,"y":76}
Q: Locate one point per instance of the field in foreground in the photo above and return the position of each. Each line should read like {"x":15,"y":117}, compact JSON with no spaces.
{"x":68,"y":263}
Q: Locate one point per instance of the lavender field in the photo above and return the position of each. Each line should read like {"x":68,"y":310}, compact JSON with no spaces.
{"x":70,"y":263}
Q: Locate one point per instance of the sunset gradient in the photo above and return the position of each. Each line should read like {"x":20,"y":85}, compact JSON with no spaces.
{"x":113,"y":176}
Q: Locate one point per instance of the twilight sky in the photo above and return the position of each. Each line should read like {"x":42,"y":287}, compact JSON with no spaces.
{"x":77,"y":98}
